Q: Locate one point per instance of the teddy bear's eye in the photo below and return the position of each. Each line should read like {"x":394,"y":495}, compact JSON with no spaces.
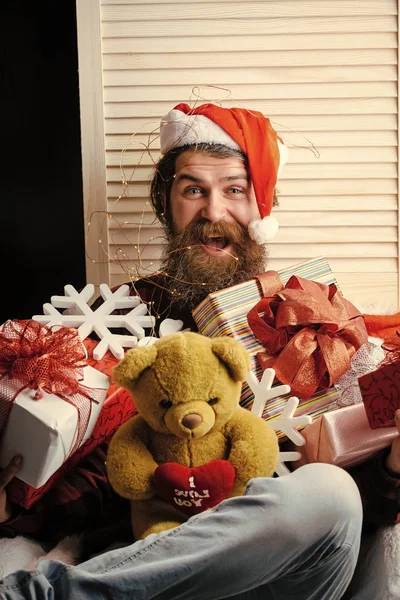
{"x":165,"y":403}
{"x":212,"y":401}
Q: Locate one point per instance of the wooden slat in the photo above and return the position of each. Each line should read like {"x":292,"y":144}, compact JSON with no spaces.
{"x":387,"y":6}
{"x":239,"y":75}
{"x":195,"y":60}
{"x":254,"y":92}
{"x":323,"y":106}
{"x":345,"y":250}
{"x":398,"y":161}
{"x":92,"y":130}
{"x":377,"y":202}
{"x":369,"y":287}
{"x":245,"y":10}
{"x":315,"y":41}
{"x":296,"y":155}
{"x":224,"y":26}
{"x":336,"y":187}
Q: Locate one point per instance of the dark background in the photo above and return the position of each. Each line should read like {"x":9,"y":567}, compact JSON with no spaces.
{"x":42,"y":229}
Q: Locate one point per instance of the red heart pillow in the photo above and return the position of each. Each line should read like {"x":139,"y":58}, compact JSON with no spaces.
{"x":195,"y":489}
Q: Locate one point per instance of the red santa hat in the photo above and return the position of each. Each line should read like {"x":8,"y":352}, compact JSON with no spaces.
{"x":241,"y":129}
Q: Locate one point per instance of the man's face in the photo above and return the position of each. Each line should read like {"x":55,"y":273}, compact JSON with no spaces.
{"x":215,"y":189}
{"x":212,"y":202}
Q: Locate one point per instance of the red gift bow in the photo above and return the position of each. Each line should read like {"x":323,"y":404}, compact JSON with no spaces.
{"x":309,"y":331}
{"x":41,"y":358}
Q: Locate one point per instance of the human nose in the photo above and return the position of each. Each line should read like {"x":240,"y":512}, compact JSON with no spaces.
{"x":214,"y":208}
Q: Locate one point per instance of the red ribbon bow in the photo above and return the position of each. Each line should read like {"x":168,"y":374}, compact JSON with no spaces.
{"x":309,"y":332}
{"x":42,"y":358}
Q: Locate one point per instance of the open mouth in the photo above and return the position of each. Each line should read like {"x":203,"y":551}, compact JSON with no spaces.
{"x":215,"y":243}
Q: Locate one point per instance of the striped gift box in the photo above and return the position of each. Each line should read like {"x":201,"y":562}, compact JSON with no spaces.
{"x":225,"y":313}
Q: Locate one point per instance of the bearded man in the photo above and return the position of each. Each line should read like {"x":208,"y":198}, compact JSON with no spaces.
{"x":292,"y":537}
{"x":213,"y":197}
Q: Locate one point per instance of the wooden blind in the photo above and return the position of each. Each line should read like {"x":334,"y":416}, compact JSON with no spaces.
{"x":324,"y":71}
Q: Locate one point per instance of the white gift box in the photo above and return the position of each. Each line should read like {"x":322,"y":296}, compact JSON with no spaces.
{"x":42,"y":431}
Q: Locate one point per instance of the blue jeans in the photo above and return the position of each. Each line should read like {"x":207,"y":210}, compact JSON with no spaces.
{"x":294,"y":537}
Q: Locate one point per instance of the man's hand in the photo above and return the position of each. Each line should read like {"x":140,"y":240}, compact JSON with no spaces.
{"x":393,"y":460}
{"x":5,"y":477}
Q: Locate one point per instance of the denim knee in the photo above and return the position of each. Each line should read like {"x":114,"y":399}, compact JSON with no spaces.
{"x":317,"y":500}
{"x":333,"y":488}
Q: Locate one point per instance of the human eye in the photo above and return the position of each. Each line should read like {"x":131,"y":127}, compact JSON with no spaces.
{"x":236,"y":191}
{"x":193,"y":190}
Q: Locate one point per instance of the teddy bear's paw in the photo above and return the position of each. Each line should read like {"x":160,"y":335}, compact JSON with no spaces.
{"x":160,"y":527}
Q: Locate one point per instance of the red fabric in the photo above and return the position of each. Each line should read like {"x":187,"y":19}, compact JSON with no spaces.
{"x":195,"y":489}
{"x":256,"y":137}
{"x":42,"y":357}
{"x":382,"y":326}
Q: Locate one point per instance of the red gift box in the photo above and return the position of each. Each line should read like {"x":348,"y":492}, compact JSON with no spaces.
{"x":380,"y":392}
{"x":118,"y":408}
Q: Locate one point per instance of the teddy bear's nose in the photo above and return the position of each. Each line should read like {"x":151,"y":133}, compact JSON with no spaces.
{"x":192,"y":421}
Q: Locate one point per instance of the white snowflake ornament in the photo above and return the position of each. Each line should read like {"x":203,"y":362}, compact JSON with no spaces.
{"x":166,"y":327}
{"x":79,"y":315}
{"x":286,"y":422}
{"x":263,"y":390}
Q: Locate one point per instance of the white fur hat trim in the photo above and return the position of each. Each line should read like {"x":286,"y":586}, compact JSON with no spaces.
{"x":263,"y":230}
{"x":178,"y":129}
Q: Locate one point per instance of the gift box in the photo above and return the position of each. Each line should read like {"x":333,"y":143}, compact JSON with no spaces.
{"x":225,"y":313}
{"x":343,"y":438}
{"x":118,"y":407}
{"x":50,"y":398}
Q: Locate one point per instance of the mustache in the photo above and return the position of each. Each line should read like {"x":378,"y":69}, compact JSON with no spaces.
{"x":192,"y":274}
{"x":201,"y":229}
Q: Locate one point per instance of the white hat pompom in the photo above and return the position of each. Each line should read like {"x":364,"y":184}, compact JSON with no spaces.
{"x":263,"y":230}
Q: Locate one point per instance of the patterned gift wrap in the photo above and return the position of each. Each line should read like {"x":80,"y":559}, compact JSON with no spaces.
{"x":225,"y":313}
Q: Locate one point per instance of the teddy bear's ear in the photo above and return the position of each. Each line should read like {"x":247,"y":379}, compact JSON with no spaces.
{"x":128,"y":371}
{"x":234,"y":356}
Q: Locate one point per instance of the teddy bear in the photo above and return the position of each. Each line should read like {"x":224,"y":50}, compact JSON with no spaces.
{"x":191,"y":444}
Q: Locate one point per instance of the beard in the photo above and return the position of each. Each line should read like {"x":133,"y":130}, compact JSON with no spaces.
{"x":192,"y":274}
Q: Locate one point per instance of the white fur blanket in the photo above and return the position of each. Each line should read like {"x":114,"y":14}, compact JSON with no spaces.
{"x":22,"y":553}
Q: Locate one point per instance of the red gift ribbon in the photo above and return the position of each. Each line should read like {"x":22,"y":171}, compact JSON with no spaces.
{"x":309,"y":332}
{"x":42,"y":358}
